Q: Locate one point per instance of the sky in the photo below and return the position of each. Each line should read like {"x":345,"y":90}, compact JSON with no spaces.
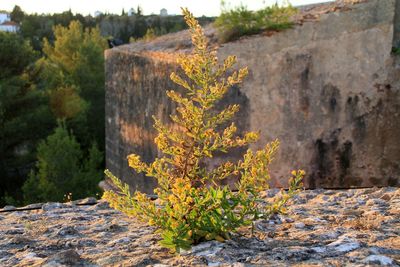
{"x":85,"y":7}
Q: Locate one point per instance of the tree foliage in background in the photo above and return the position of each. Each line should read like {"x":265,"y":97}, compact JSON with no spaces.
{"x":24,"y":115}
{"x":67,"y":82}
{"x":35,"y":27}
{"x":192,"y":205}
{"x":396,"y":51}
{"x":16,"y":55}
{"x":17,"y":14}
{"x":240,"y":21}
{"x":72,"y":71}
{"x":62,"y":169}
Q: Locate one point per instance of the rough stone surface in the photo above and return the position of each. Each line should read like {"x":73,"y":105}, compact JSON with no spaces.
{"x":322,"y":228}
{"x":328,"y":89}
{"x":396,"y":36}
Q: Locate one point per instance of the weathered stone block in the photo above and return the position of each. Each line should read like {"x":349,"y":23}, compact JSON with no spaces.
{"x":328,"y":89}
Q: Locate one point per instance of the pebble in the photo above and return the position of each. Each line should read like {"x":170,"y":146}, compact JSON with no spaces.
{"x":378,"y":259}
{"x":110,"y":261}
{"x":330,"y":192}
{"x":376,"y":201}
{"x":325,"y":198}
{"x":18,"y":240}
{"x":271,"y":192}
{"x":67,"y":232}
{"x":299,"y":225}
{"x":122,"y":240}
{"x":33,"y":206}
{"x":344,"y":244}
{"x":205,"y":248}
{"x":32,"y":256}
{"x":14,"y":231}
{"x":101,"y":205}
{"x":386,"y":197}
{"x":352,"y":212}
{"x":9,"y":207}
{"x":287,"y":220}
{"x":319,"y":249}
{"x":346,"y":247}
{"x":64,"y":258}
{"x":331,"y":235}
{"x":88,"y":201}
{"x":54,"y":205}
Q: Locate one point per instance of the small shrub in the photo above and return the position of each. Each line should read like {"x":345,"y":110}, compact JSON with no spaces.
{"x":192,"y":205}
{"x":240,"y":21}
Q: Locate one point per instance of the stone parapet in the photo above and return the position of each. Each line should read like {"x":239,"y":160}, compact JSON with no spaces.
{"x":328,"y":89}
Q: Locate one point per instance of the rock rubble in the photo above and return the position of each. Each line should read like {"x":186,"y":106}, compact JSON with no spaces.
{"x":355,"y":227}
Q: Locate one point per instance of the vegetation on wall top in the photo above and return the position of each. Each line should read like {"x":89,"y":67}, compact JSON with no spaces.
{"x":239,"y":21}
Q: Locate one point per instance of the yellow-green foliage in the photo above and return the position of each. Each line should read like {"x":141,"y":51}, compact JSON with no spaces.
{"x":240,"y":21}
{"x":192,"y":206}
{"x":150,"y":35}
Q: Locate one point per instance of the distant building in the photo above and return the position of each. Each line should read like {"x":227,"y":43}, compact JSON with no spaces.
{"x":131,"y":12}
{"x":6,"y":25}
{"x":97,"y":13}
{"x":4,"y":16}
{"x":163,"y":12}
{"x":9,"y":26}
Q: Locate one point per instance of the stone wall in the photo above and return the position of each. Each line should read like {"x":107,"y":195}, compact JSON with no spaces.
{"x":328,"y":89}
{"x":396,"y":35}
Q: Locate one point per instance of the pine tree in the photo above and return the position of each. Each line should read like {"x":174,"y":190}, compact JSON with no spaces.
{"x":21,"y":103}
{"x":60,"y":170}
{"x":192,"y":205}
{"x":17,"y":14}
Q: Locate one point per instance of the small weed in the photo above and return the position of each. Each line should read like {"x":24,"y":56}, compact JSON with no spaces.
{"x":193,"y":206}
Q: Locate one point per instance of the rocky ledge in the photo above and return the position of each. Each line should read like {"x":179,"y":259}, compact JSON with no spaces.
{"x":355,"y":227}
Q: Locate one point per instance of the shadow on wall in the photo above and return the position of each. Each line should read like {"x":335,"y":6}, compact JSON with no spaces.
{"x":368,"y":133}
{"x":328,"y":90}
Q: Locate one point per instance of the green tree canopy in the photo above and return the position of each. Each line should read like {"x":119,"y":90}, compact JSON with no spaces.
{"x":73,"y":67}
{"x":17,"y":14}
{"x":61,"y":169}
{"x":16,"y":54}
{"x":21,"y":104}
